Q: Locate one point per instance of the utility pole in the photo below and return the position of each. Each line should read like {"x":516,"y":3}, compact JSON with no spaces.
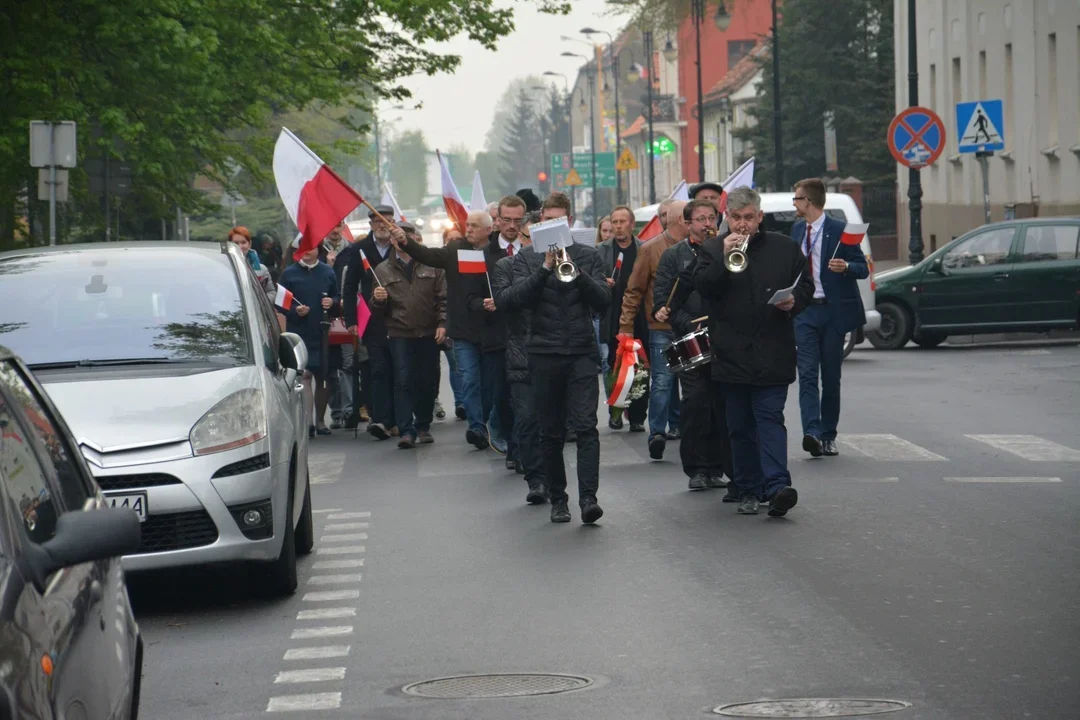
{"x":778,"y":129}
{"x":915,"y":242}
{"x":648,"y":40}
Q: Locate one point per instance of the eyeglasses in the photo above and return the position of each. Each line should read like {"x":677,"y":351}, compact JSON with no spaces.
{"x":704,"y":219}
{"x":516,"y":221}
{"x":798,"y":197}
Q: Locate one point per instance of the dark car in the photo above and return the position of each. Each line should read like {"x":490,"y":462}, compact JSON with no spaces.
{"x":1012,"y":276}
{"x":69,"y":645}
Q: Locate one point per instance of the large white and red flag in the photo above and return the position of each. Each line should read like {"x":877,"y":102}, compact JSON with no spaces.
{"x":471,"y":262}
{"x":653,"y":228}
{"x":743,"y":177}
{"x":389,"y":199}
{"x":315,"y":197}
{"x":476,"y":200}
{"x":455,"y":206}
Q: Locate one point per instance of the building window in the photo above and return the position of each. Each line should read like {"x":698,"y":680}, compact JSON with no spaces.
{"x":1052,"y":82}
{"x":1009,"y":104}
{"x":982,"y":74}
{"x":737,"y":50}
{"x":933,"y":86}
{"x":982,"y":23}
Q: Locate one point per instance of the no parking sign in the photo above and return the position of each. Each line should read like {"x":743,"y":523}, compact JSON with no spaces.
{"x":916,"y":137}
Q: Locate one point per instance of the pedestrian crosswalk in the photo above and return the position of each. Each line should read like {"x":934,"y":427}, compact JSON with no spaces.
{"x":1030,"y":447}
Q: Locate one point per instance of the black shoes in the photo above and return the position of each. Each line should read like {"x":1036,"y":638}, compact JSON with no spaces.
{"x":782,"y":501}
{"x":637,"y":427}
{"x":590,"y":511}
{"x":615,"y":423}
{"x":424,"y":437}
{"x":407,"y":442}
{"x":698,"y":481}
{"x":714,"y":482}
{"x":657,"y":443}
{"x":748,"y":505}
{"x":538,"y":496}
{"x":829,"y":448}
{"x":560,"y":513}
{"x":477,"y":439}
{"x":378,"y":431}
{"x":459,"y":411}
{"x":812,"y":445}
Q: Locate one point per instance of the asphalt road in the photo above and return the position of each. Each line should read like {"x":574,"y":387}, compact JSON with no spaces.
{"x":934,"y":562}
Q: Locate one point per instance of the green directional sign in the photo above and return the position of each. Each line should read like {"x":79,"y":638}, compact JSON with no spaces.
{"x":605,"y":169}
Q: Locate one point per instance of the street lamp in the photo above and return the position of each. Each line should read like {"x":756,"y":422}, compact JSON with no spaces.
{"x":590,"y":73}
{"x":569,"y":127}
{"x":615,"y":82}
{"x":722,"y":17}
{"x":670,"y":53}
{"x":778,"y":142}
{"x":647,"y":39}
{"x":698,"y":9}
{"x":915,"y":242}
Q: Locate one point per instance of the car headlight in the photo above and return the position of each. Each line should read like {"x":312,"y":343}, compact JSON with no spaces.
{"x":419,"y":222}
{"x":238,"y":420}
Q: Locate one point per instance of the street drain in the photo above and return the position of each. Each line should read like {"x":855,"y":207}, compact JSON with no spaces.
{"x":499,"y":685}
{"x":811,"y":708}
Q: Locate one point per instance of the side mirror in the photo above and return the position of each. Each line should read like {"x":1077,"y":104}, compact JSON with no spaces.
{"x":85,"y":536}
{"x":935,"y":266}
{"x":294,"y":356}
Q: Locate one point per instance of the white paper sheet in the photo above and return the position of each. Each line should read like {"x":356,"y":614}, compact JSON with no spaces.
{"x":783,"y":294}
{"x":584,"y":236}
{"x":553,"y":233}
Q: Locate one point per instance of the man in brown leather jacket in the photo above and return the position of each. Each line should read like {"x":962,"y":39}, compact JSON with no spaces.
{"x":411,"y":298}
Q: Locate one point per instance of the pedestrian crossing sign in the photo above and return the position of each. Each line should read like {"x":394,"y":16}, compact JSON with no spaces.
{"x":981,"y":126}
{"x":573,"y":179}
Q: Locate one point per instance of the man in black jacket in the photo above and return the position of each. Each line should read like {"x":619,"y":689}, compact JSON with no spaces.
{"x":705,"y":450}
{"x":753,"y":346}
{"x":563,"y":365}
{"x":377,"y":382}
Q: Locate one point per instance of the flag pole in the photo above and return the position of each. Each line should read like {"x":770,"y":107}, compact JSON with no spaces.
{"x":491,"y":292}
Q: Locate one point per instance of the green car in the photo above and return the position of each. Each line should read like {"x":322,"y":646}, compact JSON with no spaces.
{"x":1012,"y":276}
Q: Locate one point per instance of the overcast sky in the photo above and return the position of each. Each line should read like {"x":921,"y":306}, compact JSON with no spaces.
{"x":459,"y":108}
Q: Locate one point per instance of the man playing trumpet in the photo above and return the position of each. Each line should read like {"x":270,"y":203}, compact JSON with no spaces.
{"x":753,"y":345}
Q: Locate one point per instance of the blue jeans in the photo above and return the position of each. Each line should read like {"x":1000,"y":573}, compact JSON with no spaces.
{"x":381,"y":374}
{"x":415,"y":360}
{"x":605,"y":367}
{"x":664,"y":391}
{"x":455,"y":375}
{"x":755,"y":418}
{"x":821,"y":346}
{"x":495,"y":397}
{"x":527,"y":433}
{"x":468,"y":358}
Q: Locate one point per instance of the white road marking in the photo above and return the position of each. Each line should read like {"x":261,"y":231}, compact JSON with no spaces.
{"x":887,"y":447}
{"x":326,"y":613}
{"x":328,"y":595}
{"x":333,"y":579}
{"x":310,"y":675}
{"x":321,"y":632}
{"x":344,"y":527}
{"x":878,"y":480}
{"x":314,"y":701}
{"x":323,"y":480}
{"x":327,"y":510}
{"x":1003,"y":479}
{"x":343,"y":538}
{"x":321,"y":652}
{"x":343,"y":550}
{"x":325,"y":467}
{"x":348,"y":515}
{"x":1030,"y":447}
{"x":338,"y":564}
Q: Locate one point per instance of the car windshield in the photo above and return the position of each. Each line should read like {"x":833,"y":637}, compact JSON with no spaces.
{"x":783,"y":221}
{"x":112,"y":306}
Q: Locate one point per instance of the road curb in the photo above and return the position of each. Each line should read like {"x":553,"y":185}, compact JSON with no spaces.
{"x":1012,"y":337}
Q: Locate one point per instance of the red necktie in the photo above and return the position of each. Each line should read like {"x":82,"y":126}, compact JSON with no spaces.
{"x":809,"y":254}
{"x":509,"y":251}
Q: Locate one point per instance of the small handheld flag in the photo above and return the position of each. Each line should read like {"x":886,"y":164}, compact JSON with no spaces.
{"x":283,"y":298}
{"x":471,"y":262}
{"x":853,"y":235}
{"x":618,"y":266}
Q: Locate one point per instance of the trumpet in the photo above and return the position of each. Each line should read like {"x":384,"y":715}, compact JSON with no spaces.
{"x":735,"y":260}
{"x":565,"y":269}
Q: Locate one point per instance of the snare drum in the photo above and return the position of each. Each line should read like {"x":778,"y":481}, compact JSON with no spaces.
{"x":689,"y":352}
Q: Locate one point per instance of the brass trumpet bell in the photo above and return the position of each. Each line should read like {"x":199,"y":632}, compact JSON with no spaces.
{"x":736,"y":260}
{"x":565,"y":269}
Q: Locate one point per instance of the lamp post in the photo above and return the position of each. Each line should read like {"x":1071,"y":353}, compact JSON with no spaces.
{"x":590,"y":73}
{"x":615,"y":83}
{"x":698,"y":18}
{"x":915,"y":242}
{"x":569,"y":130}
{"x":647,"y":39}
{"x":778,"y":142}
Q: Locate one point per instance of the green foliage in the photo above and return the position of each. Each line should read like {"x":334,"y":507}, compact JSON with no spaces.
{"x":190,"y":86}
{"x":833,"y":56}
{"x":408,"y":168}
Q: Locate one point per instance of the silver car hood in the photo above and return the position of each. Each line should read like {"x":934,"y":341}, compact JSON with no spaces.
{"x":109,"y":414}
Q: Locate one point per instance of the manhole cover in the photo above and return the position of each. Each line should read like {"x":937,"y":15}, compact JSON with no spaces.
{"x":811,"y":708}
{"x":497,"y":685}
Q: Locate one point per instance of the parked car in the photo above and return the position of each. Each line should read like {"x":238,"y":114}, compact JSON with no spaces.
{"x":1012,"y":276}
{"x":167,"y":361}
{"x":780,"y":217}
{"x":69,"y":643}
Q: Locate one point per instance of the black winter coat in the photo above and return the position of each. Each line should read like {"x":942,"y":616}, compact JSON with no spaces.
{"x":687,"y":303}
{"x":561,"y":322}
{"x":753,"y":343}
{"x":461,"y":323}
{"x":361,"y":282}
{"x":517,"y":322}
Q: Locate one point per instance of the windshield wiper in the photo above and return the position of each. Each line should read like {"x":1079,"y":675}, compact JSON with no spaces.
{"x":115,"y":362}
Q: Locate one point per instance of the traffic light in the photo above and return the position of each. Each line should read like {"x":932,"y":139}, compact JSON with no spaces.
{"x":542,"y":180}
{"x":541,"y":176}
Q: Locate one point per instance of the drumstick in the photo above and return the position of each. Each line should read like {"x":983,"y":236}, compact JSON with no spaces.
{"x":703,"y":318}
{"x":672,"y":294}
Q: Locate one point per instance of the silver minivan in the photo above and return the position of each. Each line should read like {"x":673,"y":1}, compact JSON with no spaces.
{"x":168,"y":364}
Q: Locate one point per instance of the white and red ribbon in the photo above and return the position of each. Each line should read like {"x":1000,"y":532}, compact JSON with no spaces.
{"x":626,"y":356}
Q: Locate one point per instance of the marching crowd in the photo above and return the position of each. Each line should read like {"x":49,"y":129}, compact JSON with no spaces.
{"x":528,"y":345}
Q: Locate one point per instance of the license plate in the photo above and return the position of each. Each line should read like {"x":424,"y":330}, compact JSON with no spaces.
{"x":132,"y":501}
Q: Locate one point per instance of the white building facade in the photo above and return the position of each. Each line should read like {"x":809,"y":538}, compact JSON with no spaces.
{"x":1023,"y":52}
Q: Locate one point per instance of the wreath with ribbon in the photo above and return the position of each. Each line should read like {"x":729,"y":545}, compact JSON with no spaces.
{"x":629,"y":377}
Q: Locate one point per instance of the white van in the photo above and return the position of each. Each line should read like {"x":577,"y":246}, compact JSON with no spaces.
{"x":780,"y":217}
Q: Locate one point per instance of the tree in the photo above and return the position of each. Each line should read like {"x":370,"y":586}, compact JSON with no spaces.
{"x":176,"y":80}
{"x":461,"y":164}
{"x":822,"y":42}
{"x":408,"y":168}
{"x":491,"y":171}
{"x":522,"y":153}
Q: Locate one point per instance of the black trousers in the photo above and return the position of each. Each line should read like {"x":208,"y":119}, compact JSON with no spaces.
{"x":705,"y":446}
{"x":638,"y":410}
{"x":566,"y":395}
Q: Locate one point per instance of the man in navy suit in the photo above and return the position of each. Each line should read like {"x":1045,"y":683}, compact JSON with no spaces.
{"x":835,"y":310}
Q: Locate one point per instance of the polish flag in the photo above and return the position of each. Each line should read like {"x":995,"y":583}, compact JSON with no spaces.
{"x":315,"y":197}
{"x":283,"y":298}
{"x":455,"y":206}
{"x":389,"y":199}
{"x":347,"y":233}
{"x":367,"y":263}
{"x":476,"y":200}
{"x":363,"y":315}
{"x":681,"y":192}
{"x":618,"y":266}
{"x":471,"y":262}
{"x":743,"y":177}
{"x":653,"y":228}
{"x":854,"y":233}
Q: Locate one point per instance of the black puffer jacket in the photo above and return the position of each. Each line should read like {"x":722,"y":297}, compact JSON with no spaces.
{"x":561,"y":322}
{"x":517,"y":323}
{"x":687,"y":304}
{"x":753,"y":343}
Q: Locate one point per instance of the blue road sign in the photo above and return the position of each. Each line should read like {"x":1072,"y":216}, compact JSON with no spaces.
{"x":980,"y":126}
{"x":916,"y":137}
